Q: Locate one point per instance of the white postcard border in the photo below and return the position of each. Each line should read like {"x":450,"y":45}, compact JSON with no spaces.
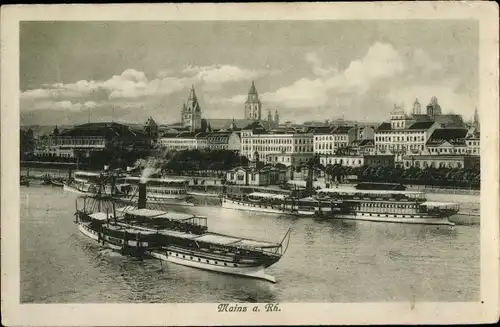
{"x":487,"y":310}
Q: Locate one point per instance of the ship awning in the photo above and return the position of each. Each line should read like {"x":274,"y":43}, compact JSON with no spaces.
{"x":136,"y":231}
{"x":268,"y":195}
{"x":218,"y":239}
{"x":141,"y":212}
{"x":257,"y":244}
{"x":85,"y":173}
{"x":235,"y":241}
{"x":175,"y":216}
{"x":100,"y":216}
{"x":177,"y":234}
{"x":432,"y":204}
{"x":354,"y":191}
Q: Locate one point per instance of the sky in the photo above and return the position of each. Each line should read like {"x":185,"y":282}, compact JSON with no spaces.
{"x":308,"y":70}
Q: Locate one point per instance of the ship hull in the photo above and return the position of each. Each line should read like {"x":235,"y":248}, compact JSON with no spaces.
{"x":159,"y":200}
{"x":87,"y":231}
{"x":248,"y":206}
{"x":394,"y":218}
{"x":192,"y":259}
{"x":199,"y":262}
{"x":208,"y":195}
{"x":70,"y":188}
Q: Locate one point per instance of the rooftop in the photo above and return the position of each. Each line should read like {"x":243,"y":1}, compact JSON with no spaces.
{"x":454,"y":136}
{"x":104,"y":130}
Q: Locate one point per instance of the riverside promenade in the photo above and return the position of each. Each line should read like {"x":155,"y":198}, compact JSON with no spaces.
{"x":469,"y":200}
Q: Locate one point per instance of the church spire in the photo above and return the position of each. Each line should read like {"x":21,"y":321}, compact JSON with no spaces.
{"x":192,"y":115}
{"x":192,"y":94}
{"x":417,"y":108}
{"x":253,"y":105}
{"x":475,"y":121}
{"x":253,"y":95}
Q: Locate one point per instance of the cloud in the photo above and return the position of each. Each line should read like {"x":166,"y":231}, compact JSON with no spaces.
{"x":317,"y":65}
{"x":445,"y":90}
{"x":62,"y":105}
{"x":134,"y":84}
{"x":367,"y":86}
{"x":381,"y":61}
{"x":220,"y":74}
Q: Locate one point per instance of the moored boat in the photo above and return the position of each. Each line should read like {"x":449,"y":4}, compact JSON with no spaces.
{"x":160,"y":190}
{"x":267,"y":203}
{"x":174,"y":237}
{"x":24,"y":181}
{"x":395,"y":206}
{"x":56,"y":182}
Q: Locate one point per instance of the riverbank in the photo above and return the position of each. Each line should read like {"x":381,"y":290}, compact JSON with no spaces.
{"x":470,"y":199}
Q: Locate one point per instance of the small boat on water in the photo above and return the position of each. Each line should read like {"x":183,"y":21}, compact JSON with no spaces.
{"x":83,"y":182}
{"x":380,"y":203}
{"x":124,"y":188}
{"x":46,"y":180}
{"x":174,"y":237}
{"x":57,"y":182}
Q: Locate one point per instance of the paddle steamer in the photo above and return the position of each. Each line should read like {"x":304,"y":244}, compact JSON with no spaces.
{"x":369,"y":201}
{"x":178,"y":238}
{"x":269,"y":203}
{"x":394,"y":206}
{"x":160,"y":190}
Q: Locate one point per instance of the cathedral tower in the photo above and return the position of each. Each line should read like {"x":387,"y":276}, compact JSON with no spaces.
{"x":276,"y":117}
{"x":417,"y":108}
{"x":191,"y":112}
{"x":252,"y":105}
{"x":433,"y":108}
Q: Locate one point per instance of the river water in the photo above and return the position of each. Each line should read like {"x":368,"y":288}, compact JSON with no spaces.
{"x":327,"y":261}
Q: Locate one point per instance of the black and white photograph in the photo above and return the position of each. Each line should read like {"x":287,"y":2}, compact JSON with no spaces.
{"x":251,"y":165}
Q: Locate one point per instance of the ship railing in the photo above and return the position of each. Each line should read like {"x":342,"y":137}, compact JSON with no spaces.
{"x":372,"y":197}
{"x":440,"y":206}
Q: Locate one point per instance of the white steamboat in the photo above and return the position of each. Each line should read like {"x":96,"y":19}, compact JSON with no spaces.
{"x":268,"y":203}
{"x":394,"y":206}
{"x":160,"y":190}
{"x":174,"y":237}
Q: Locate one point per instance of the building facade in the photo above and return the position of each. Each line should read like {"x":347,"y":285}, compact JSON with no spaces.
{"x":357,"y":160}
{"x":184,"y":141}
{"x":441,"y":161}
{"x":446,"y":141}
{"x":402,"y":135}
{"x":276,"y":147}
{"x":328,"y":140}
{"x":224,"y":140}
{"x":82,"y":140}
{"x":257,"y":177}
{"x":473,"y":141}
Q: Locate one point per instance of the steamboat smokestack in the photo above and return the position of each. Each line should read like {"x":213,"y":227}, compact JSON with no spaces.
{"x":142,"y":196}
